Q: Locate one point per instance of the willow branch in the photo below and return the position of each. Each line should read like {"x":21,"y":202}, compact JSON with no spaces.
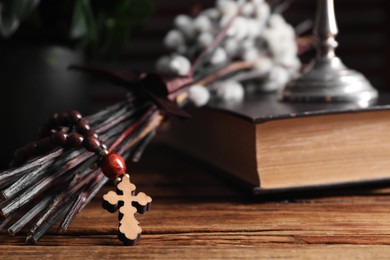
{"x":232,"y":68}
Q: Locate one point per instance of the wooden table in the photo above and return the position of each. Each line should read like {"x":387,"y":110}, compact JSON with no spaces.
{"x":196,"y":214}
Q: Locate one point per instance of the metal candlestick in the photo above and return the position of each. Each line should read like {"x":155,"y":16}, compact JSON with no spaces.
{"x":329,"y":80}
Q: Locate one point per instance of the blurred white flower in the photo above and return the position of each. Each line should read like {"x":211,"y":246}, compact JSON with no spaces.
{"x":276,"y":20}
{"x":231,"y":46}
{"x":293,"y":67}
{"x":223,"y":22}
{"x":227,"y":7}
{"x":202,"y":24}
{"x":277,"y":78}
{"x":248,"y":44}
{"x":173,"y":39}
{"x":255,"y":35}
{"x":205,"y":39}
{"x":287,"y":59}
{"x":198,"y":95}
{"x":239,"y":28}
{"x":179,"y":65}
{"x":185,"y":25}
{"x":218,"y":57}
{"x":162,"y":65}
{"x":254,"y":28}
{"x":264,"y":65}
{"x":262,"y":11}
{"x":251,"y":54}
{"x":212,"y":13}
{"x":230,"y":91}
{"x":248,"y":9}
{"x":281,"y":41}
{"x":182,"y":21}
{"x":257,"y":2}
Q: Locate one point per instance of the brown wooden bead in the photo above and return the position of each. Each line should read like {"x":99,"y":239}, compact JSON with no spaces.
{"x":59,"y":138}
{"x":74,"y":116}
{"x":92,"y":133}
{"x":92,"y":144}
{"x":82,"y":127}
{"x":75,"y":140}
{"x":113,"y":165}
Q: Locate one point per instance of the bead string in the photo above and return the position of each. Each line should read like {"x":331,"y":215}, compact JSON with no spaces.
{"x":53,"y":135}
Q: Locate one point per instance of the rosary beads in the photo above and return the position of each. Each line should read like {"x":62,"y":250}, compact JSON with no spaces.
{"x":53,"y":135}
{"x":71,"y":130}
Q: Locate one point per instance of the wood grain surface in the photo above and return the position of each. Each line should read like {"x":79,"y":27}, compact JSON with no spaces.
{"x":197,"y":215}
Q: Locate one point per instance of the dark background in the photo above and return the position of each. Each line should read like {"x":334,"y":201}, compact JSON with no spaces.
{"x":34,"y":81}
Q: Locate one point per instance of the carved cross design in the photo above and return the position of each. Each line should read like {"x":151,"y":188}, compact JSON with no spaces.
{"x":124,"y":199}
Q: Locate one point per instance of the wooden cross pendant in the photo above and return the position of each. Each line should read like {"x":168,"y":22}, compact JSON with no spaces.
{"x":124,"y":199}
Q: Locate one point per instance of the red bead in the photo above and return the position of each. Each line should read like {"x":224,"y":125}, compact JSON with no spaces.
{"x":91,"y":133}
{"x":113,"y":165}
{"x":82,"y":127}
{"x":59,"y":138}
{"x":92,"y":144}
{"x":75,"y":140}
{"x":74,"y":117}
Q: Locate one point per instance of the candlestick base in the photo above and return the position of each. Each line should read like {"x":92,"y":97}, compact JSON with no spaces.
{"x":329,"y":80}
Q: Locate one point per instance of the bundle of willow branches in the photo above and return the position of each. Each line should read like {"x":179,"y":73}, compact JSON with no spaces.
{"x":56,"y":185}
{"x":61,"y":183}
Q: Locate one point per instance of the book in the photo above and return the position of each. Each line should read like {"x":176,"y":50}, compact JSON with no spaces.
{"x":273,"y":146}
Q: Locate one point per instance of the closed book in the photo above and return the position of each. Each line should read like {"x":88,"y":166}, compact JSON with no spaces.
{"x":274,"y":146}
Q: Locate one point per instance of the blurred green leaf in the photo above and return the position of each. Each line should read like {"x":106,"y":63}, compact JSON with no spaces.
{"x":79,"y":28}
{"x":12,"y":12}
{"x":118,"y":21}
